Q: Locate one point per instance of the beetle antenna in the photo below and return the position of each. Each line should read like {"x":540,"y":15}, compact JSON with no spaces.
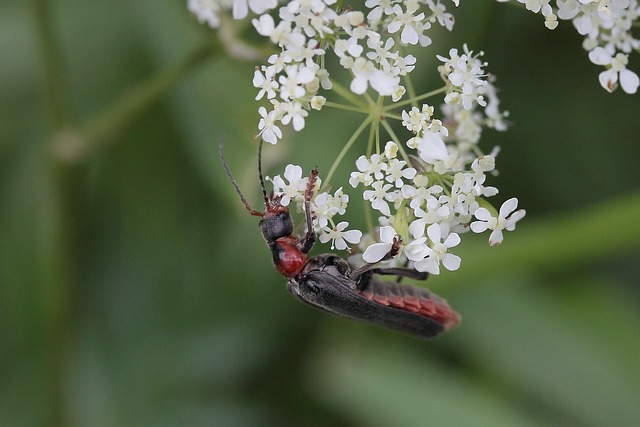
{"x":264,"y":190}
{"x":235,"y":184}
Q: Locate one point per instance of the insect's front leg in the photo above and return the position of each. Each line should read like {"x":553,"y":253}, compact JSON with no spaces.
{"x":393,"y":251}
{"x":310,"y":236}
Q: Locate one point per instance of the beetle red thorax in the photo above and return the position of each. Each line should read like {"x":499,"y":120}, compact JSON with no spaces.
{"x":290,"y":259}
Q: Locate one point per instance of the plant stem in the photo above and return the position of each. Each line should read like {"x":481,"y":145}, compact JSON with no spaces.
{"x":57,"y":269}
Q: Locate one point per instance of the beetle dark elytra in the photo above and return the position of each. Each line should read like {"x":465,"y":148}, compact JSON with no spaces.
{"x":329,"y":283}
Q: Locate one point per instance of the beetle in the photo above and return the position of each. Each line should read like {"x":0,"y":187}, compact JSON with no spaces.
{"x":329,"y":283}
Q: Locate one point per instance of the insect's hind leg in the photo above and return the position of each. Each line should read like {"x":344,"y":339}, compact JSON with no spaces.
{"x":409,"y":273}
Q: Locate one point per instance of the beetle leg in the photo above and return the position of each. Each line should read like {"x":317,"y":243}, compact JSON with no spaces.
{"x":402,"y":272}
{"x":395,"y":249}
{"x":310,"y":236}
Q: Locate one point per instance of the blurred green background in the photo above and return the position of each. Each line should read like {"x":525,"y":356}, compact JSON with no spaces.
{"x":135,"y":290}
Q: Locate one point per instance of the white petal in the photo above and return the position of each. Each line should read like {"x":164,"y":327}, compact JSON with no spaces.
{"x":629,"y":81}
{"x":479,"y":226}
{"x":359,"y":85}
{"x":240,"y":9}
{"x":434,"y":233}
{"x":452,"y":241}
{"x":496,"y":237}
{"x":429,"y":265}
{"x":353,"y":236}
{"x":508,"y":207}
{"x":409,"y":35}
{"x":416,"y":250}
{"x":383,"y":83}
{"x":324,"y":238}
{"x":382,"y":206}
{"x":264,"y":25}
{"x":293,"y":173}
{"x":599,"y":56}
{"x":416,"y":228}
{"x":387,"y":233}
{"x":431,"y":147}
{"x":482,"y":214}
{"x":340,"y":244}
{"x":451,"y":262}
{"x":608,"y":80}
{"x":376,"y":252}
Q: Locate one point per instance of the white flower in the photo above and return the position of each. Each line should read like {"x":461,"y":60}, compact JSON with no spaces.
{"x":291,"y":85}
{"x":438,"y":253}
{"x":326,"y":206}
{"x":396,"y":171}
{"x":269,"y":131}
{"x":266,"y":84}
{"x":390,"y":150}
{"x":377,"y":251}
{"x":379,"y":197}
{"x":294,"y":190}
{"x":365,"y":74}
{"x":368,"y":167}
{"x":295,"y":113}
{"x":420,"y":192}
{"x":317,"y":102}
{"x":430,"y":146}
{"x":505,"y":220}
{"x":413,"y":26}
{"x":617,"y":67}
{"x":417,"y":120}
{"x":338,"y":237}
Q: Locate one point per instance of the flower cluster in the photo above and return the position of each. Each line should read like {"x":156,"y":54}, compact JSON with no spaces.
{"x":606,"y":26}
{"x":429,"y":198}
{"x":427,"y":188}
{"x":368,"y":44}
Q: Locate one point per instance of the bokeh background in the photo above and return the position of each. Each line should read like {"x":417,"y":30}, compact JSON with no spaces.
{"x":135,"y":290}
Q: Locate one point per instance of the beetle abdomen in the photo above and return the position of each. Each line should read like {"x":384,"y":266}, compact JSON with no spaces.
{"x":415,"y":311}
{"x":413,"y":299}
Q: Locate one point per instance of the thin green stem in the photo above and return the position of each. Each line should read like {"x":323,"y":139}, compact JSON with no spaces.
{"x":415,"y":99}
{"x":345,"y":149}
{"x":411,"y":90}
{"x":58,"y":100}
{"x":57,"y":260}
{"x":395,"y":138}
{"x":346,"y":107}
{"x":349,"y":96}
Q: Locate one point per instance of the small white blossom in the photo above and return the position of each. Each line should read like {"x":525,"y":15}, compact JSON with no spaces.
{"x":294,"y":190}
{"x":339,"y":237}
{"x":326,"y":206}
{"x":269,"y":131}
{"x":379,"y":196}
{"x":618,"y":68}
{"x":438,"y":253}
{"x":506,"y":220}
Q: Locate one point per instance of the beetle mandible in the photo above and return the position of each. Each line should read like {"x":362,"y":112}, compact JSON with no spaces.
{"x":329,"y":283}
